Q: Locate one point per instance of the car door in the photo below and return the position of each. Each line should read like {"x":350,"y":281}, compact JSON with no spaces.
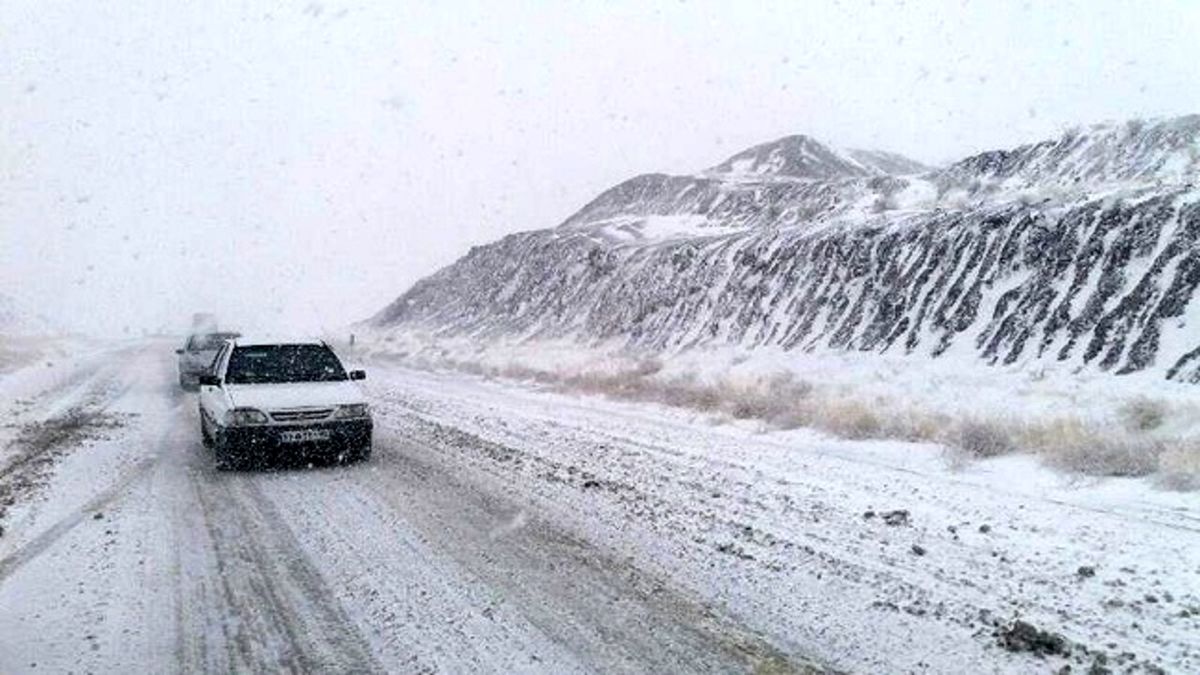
{"x":185,"y":355}
{"x":214,"y":400}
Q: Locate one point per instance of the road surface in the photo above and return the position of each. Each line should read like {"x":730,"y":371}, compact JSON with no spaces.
{"x":500,"y":528}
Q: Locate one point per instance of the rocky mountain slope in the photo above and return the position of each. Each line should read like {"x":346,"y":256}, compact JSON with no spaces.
{"x":1084,"y":249}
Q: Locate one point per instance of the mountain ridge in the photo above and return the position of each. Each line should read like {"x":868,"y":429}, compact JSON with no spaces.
{"x":1084,"y":248}
{"x":799,"y":156}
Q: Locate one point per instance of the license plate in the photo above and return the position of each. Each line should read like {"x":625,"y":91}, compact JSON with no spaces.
{"x":304,"y":435}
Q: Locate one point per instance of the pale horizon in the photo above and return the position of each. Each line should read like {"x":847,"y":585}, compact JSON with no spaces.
{"x":350,"y":150}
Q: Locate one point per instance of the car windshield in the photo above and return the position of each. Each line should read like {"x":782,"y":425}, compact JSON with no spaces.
{"x":209,"y":341}
{"x":273,"y":364}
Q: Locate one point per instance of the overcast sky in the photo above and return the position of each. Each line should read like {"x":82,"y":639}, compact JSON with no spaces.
{"x":301,"y":166}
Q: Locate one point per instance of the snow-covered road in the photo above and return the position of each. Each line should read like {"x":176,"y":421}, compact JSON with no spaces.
{"x":500,"y":528}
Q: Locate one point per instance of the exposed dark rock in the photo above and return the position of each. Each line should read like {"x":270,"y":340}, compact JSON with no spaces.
{"x":1022,"y":636}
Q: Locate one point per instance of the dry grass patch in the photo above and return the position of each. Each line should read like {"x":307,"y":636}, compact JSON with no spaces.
{"x":1130,"y":444}
{"x":983,"y":438}
{"x":1143,"y":414}
{"x":850,"y":418}
{"x":1073,"y":445}
{"x":1179,"y":466}
{"x":775,"y":397}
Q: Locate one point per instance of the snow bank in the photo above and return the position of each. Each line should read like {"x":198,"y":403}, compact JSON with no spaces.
{"x":1073,"y":419}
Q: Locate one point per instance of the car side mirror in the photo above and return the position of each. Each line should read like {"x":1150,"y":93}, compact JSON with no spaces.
{"x":358,"y":374}
{"x":209,"y":381}
{"x":178,"y":351}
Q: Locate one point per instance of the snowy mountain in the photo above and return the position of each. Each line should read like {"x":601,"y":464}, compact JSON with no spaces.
{"x":1160,"y":152}
{"x":805,"y":158}
{"x":1083,"y":249}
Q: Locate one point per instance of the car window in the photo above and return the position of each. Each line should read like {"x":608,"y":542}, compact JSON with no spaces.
{"x":273,"y":364}
{"x":219,"y":359}
{"x":209,"y":341}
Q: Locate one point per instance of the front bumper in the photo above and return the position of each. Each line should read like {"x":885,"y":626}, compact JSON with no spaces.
{"x":264,"y":441}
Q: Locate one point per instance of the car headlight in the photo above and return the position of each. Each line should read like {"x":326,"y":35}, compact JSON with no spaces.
{"x":352,"y":411}
{"x":241,"y":417}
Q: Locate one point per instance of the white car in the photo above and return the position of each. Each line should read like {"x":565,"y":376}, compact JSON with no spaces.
{"x":271,"y":399}
{"x":197,"y":356}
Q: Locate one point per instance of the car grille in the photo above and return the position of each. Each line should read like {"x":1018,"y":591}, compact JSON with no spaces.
{"x":301,"y":415}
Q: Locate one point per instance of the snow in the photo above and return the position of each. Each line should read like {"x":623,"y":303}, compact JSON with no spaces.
{"x":505,"y":527}
{"x":771,"y":527}
{"x":656,"y":228}
{"x":955,"y":385}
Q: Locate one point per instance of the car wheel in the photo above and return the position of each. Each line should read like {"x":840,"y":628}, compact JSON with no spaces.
{"x":223,"y":455}
{"x":363,"y":454}
{"x":205,"y":437}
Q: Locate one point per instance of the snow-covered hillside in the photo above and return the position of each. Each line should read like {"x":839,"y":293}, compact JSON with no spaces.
{"x":1083,"y":249}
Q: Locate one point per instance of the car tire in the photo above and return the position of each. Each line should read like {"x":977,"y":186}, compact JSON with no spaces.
{"x":363,"y":454}
{"x":205,"y":437}
{"x":223,"y":457}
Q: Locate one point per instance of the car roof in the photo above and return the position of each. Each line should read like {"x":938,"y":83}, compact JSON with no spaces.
{"x":263,"y":340}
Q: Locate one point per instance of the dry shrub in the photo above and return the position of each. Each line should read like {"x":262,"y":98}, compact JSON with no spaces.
{"x":686,"y":392}
{"x":799,"y":414}
{"x":785,"y":386}
{"x":1071,"y":444}
{"x":1179,"y":466}
{"x":784,"y":402}
{"x":647,"y":367}
{"x":910,"y":424}
{"x":1143,"y":414}
{"x":745,"y":402}
{"x":517,"y":371}
{"x":776,"y":397}
{"x":983,"y":438}
{"x":851,"y":419}
{"x":628,"y":384}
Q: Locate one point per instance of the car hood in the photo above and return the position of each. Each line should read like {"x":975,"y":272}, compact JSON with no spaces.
{"x":295,"y":395}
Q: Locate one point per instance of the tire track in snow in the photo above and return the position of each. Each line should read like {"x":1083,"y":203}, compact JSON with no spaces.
{"x":565,"y":585}
{"x":277,"y":613}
